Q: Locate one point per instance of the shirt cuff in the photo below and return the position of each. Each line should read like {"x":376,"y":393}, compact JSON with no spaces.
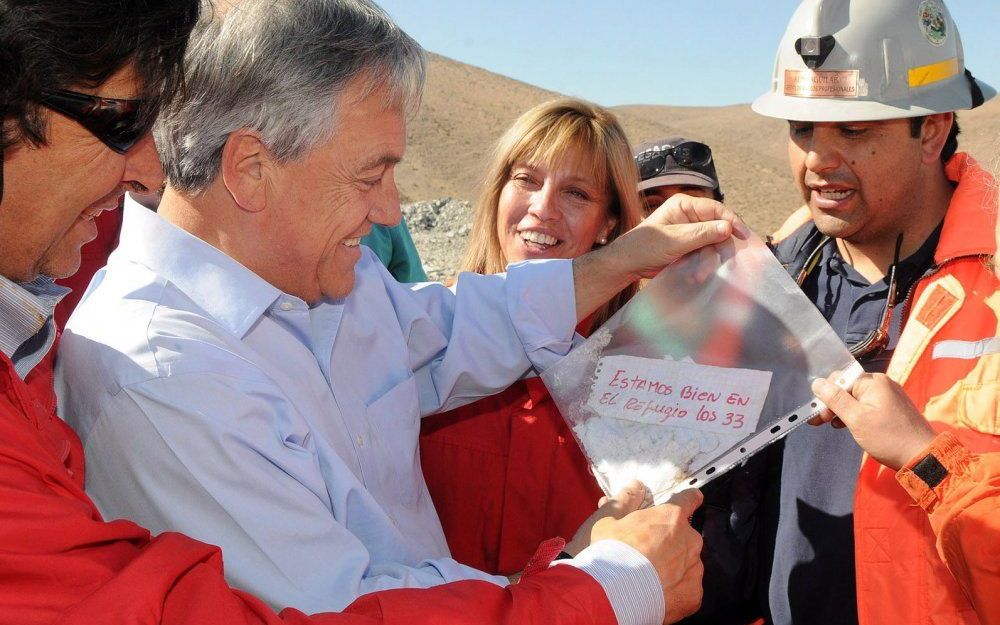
{"x":541,"y":302}
{"x":628,"y":578}
{"x":950,"y":454}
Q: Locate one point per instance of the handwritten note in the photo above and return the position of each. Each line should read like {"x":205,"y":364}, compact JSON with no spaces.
{"x":683,"y":394}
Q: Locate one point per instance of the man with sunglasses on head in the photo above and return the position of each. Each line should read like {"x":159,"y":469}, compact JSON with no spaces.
{"x":80,"y":82}
{"x":676,"y":165}
{"x":894,"y":256}
{"x":75,"y":135}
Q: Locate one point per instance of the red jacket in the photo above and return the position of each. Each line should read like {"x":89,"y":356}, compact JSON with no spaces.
{"x":61,"y":563}
{"x":521,"y":476}
{"x":933,"y":556}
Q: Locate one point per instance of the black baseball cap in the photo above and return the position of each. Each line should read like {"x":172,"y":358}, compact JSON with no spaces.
{"x":700,"y":173}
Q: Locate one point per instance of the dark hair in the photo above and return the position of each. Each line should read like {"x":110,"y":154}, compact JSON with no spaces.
{"x":950,"y":146}
{"x":59,"y":44}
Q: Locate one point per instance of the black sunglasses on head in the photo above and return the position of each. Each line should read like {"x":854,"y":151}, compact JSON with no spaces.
{"x":689,"y":154}
{"x":117,"y":123}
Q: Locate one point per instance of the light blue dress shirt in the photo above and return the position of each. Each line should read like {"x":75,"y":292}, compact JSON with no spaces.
{"x":212,"y":403}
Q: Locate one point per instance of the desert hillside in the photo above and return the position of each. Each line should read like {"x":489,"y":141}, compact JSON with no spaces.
{"x":465,"y":109}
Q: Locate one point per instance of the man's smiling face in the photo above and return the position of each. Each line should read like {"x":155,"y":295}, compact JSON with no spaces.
{"x":52,"y":193}
{"x":329,"y":199}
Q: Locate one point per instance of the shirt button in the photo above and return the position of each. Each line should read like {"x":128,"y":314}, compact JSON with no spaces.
{"x":361,"y":441}
{"x":285,"y":306}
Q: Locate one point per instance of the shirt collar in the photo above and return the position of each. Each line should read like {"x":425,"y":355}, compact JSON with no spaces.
{"x":920,"y":260}
{"x":908,"y":271}
{"x":24,"y":310}
{"x":225,"y":289}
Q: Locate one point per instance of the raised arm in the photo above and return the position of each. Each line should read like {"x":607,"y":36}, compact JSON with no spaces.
{"x":490,"y":330}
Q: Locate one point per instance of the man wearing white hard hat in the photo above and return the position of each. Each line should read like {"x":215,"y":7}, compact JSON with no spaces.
{"x":895,"y":257}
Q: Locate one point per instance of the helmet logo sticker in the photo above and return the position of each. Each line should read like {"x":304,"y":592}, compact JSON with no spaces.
{"x":932,"y":22}
{"x":822,"y":84}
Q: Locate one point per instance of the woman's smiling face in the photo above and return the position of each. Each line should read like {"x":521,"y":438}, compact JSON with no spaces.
{"x":557,"y":210}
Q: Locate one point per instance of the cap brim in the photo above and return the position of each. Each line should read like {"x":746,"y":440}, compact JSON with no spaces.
{"x":679,"y":178}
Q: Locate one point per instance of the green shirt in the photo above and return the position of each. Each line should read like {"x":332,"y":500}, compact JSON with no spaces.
{"x":394,"y":247}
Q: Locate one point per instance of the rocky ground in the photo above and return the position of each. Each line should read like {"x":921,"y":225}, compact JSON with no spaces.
{"x":440,"y":229}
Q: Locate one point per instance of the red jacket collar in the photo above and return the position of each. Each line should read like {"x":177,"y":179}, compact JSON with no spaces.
{"x":970,"y":223}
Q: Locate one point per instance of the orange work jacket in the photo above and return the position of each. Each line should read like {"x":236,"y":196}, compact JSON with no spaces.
{"x":933,"y":555}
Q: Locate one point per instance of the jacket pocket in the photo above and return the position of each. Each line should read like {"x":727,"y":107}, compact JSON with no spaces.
{"x":979,"y":397}
{"x":971,"y":402}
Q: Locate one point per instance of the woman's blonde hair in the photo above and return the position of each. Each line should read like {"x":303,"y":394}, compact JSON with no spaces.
{"x":542,"y":136}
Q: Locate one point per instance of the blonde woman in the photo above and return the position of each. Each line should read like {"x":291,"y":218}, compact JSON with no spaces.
{"x":505,"y":472}
{"x":563,"y":170}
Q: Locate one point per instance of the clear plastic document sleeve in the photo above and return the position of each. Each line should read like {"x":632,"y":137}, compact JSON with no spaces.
{"x":711,"y":362}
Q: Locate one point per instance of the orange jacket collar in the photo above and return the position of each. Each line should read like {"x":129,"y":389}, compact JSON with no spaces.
{"x":970,"y":224}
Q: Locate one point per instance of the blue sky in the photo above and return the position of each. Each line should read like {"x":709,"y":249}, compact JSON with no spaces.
{"x":677,"y":52}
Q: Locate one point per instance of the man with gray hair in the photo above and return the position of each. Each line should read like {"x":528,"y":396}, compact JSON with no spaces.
{"x":261,"y":377}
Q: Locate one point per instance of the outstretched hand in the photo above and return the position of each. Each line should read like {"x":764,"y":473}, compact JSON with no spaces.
{"x":880,"y":416}
{"x":665,"y":537}
{"x":629,"y":499}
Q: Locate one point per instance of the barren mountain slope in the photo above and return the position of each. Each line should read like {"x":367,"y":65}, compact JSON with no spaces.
{"x":465,"y":109}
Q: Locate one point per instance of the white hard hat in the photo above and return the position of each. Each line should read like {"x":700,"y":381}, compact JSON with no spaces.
{"x":862,"y":60}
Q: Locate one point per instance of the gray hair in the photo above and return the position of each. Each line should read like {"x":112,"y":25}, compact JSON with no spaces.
{"x":279,"y":67}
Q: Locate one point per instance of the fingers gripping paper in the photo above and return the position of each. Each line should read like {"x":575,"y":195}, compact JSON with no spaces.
{"x":708,"y":364}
